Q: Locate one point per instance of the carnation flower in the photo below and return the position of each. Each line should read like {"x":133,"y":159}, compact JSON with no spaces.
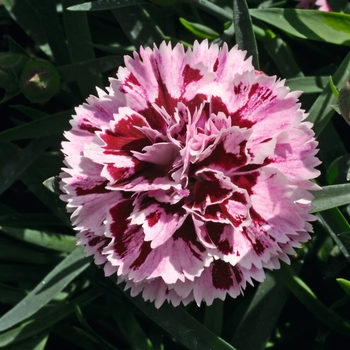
{"x":322,"y":5}
{"x":191,"y":174}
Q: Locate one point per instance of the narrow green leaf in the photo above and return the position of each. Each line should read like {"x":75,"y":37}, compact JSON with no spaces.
{"x":308,"y":85}
{"x":100,"y":5}
{"x":51,"y":285}
{"x":128,"y":324}
{"x":215,"y":10}
{"x":333,"y":87}
{"x":53,"y":124}
{"x":27,"y":15}
{"x":213,"y":316}
{"x":30,"y":112}
{"x":74,"y":71}
{"x":55,"y":241}
{"x":80,"y":46}
{"x":244,"y":32}
{"x":12,"y":252}
{"x":82,"y":320}
{"x":12,"y":169}
{"x":262,"y":314}
{"x":331,"y":197}
{"x":345,"y":284}
{"x":308,"y":298}
{"x":182,"y":326}
{"x":336,"y":225}
{"x":283,"y":57}
{"x":321,"y":111}
{"x":35,"y":343}
{"x":138,"y":26}
{"x":199,"y":30}
{"x":329,"y":27}
{"x":51,"y":26}
{"x":45,"y":318}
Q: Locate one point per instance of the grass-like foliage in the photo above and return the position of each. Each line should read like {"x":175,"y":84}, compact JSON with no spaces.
{"x":54,"y":53}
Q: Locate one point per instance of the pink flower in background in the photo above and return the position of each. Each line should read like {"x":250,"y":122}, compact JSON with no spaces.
{"x":191,"y":174}
{"x":321,"y":5}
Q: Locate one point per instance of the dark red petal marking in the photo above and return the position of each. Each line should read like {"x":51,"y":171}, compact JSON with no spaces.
{"x":222,"y":275}
{"x":216,"y":64}
{"x":101,"y":188}
{"x":130,"y":81}
{"x":212,"y":189}
{"x":195,"y":102}
{"x":258,"y":246}
{"x":246,"y":181}
{"x":215,"y":231}
{"x":187,"y":233}
{"x":190,"y":75}
{"x":98,"y":239}
{"x":145,"y":250}
{"x":120,"y":228}
{"x":225,"y":160}
{"x":87,"y":126}
{"x":237,"y":117}
{"x":120,"y":174}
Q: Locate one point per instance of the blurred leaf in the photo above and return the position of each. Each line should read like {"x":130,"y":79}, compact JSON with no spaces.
{"x":11,"y":252}
{"x":199,"y":30}
{"x":215,"y":10}
{"x":244,"y":32}
{"x":283,"y":57}
{"x":333,"y":87}
{"x":11,"y":170}
{"x":321,"y":111}
{"x":308,"y":298}
{"x":11,"y":295}
{"x":30,"y":112}
{"x":331,"y":197}
{"x":330,"y":27}
{"x":45,"y":318}
{"x":35,"y":343}
{"x":52,"y":284}
{"x":49,"y":240}
{"x":213,"y":316}
{"x":81,"y":319}
{"x":345,"y":284}
{"x":335,"y":224}
{"x":308,"y":85}
{"x":45,"y":126}
{"x":28,"y":219}
{"x":138,"y":26}
{"x":262,"y":314}
{"x":338,"y":171}
{"x":182,"y":326}
{"x":80,"y":46}
{"x":74,"y":71}
{"x":51,"y":26}
{"x":27,"y":15}
{"x":100,"y":5}
{"x":128,"y":324}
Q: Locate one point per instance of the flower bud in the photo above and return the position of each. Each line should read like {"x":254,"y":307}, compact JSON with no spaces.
{"x":344,"y":102}
{"x":39,"y":81}
{"x":11,"y":65}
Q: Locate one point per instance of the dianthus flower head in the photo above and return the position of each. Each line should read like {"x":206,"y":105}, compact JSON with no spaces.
{"x":191,"y":175}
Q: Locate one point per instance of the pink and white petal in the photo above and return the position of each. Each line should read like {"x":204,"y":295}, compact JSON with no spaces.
{"x":93,"y":245}
{"x":158,"y":220}
{"x":296,"y":157}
